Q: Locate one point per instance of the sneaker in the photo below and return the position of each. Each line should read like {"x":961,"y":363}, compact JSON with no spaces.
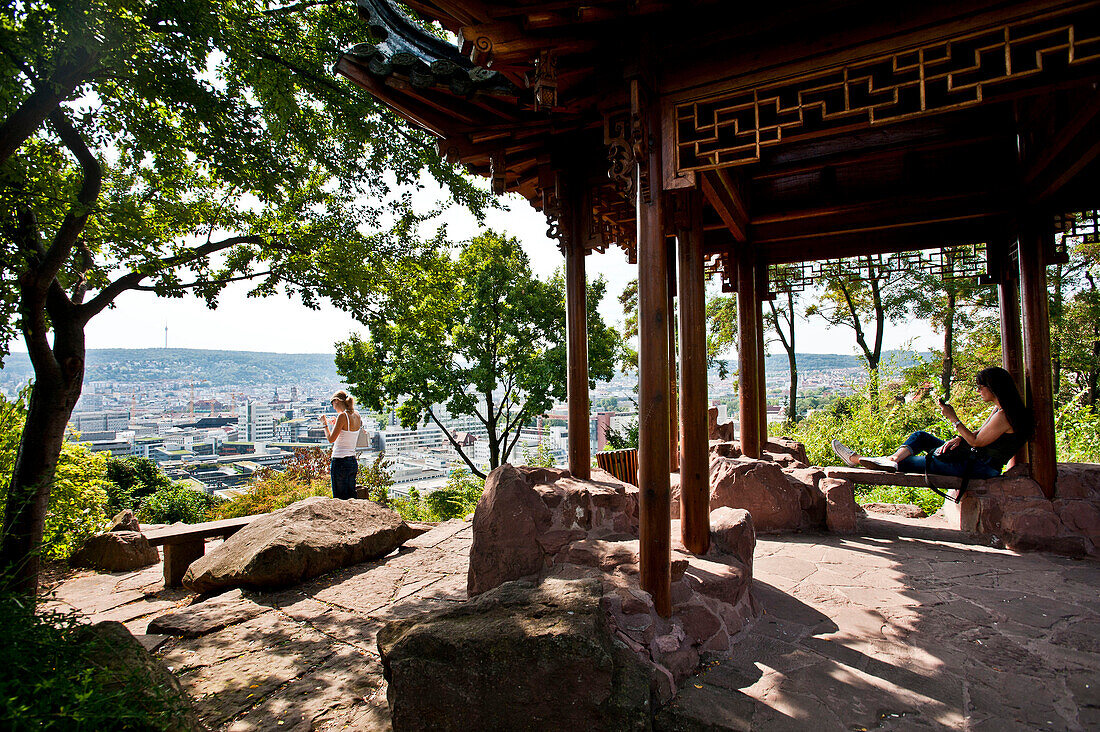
{"x":845,"y":454}
{"x":879,"y":463}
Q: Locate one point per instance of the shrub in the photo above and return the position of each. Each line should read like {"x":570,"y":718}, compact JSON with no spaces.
{"x":456,"y":499}
{"x":177,"y":502}
{"x":270,"y":491}
{"x":922,"y":497}
{"x":50,"y":680}
{"x":78,"y":501}
{"x":132,"y":479}
{"x":1077,"y":430}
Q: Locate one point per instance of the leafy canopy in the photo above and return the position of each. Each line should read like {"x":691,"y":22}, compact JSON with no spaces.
{"x":479,"y":335}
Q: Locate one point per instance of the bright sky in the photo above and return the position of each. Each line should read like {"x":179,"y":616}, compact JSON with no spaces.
{"x":284,"y":325}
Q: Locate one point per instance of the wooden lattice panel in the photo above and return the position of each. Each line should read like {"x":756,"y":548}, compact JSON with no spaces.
{"x":946,"y":75}
{"x":961,"y":262}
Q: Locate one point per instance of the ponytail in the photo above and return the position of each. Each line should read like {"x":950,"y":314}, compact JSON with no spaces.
{"x":346,"y":399}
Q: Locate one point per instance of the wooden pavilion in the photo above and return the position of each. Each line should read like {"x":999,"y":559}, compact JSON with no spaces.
{"x":735,"y":138}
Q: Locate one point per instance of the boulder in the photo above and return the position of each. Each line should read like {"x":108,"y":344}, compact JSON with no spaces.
{"x":125,"y":521}
{"x":732,"y":532}
{"x":840,"y":505}
{"x":796,"y":451}
{"x":208,"y":616}
{"x":301,"y":541}
{"x":905,"y":510}
{"x":1078,"y":480}
{"x":1080,"y":517}
{"x":759,"y":487}
{"x":526,"y":516}
{"x":116,"y":551}
{"x":515,"y":657}
{"x":723,"y":432}
{"x":136,"y":677}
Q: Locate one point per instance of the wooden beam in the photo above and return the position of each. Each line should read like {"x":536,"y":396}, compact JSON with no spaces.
{"x":1036,"y":348}
{"x":655,"y":541}
{"x":748,"y":351}
{"x":694,"y":437}
{"x":725,"y":198}
{"x":1074,"y":147}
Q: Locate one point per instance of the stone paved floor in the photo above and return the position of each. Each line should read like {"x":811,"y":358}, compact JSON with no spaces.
{"x":903,"y":626}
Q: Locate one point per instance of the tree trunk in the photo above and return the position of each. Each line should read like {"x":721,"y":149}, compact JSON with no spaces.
{"x":55,"y":393}
{"x":948,"y":344}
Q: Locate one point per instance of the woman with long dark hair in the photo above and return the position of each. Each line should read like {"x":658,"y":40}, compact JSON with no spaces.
{"x":343,"y":435}
{"x":972,"y":454}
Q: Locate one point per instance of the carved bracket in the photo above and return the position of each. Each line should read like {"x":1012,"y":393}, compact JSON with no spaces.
{"x":628,"y":143}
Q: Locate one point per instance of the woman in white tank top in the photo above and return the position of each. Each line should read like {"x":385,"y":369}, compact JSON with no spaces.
{"x":343,"y":435}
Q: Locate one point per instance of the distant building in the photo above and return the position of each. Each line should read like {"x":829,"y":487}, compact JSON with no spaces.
{"x":99,"y":421}
{"x":257,"y":423}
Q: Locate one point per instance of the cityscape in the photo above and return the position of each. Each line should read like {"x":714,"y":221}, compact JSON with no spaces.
{"x":178,"y":408}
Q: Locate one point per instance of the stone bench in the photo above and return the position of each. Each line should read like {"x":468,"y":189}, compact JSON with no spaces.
{"x":184,"y":543}
{"x":865,"y":476}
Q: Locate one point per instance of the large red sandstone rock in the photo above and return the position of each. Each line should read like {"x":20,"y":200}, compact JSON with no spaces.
{"x":1081,"y":517}
{"x":759,"y":487}
{"x":515,"y":657}
{"x":1078,"y":480}
{"x":116,"y":551}
{"x":840,"y":505}
{"x":732,"y":532}
{"x":526,"y":516}
{"x":293,"y":544}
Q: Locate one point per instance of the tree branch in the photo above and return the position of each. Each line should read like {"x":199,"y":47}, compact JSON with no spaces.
{"x":199,"y":283}
{"x":43,"y":101}
{"x":455,"y":445}
{"x":78,"y":213}
{"x":132,"y":280}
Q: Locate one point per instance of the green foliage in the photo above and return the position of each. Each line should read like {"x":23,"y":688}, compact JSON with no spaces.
{"x":1077,"y":430}
{"x":270,"y":492}
{"x":456,"y":499}
{"x":624,"y":438}
{"x":79,"y":503}
{"x":541,"y":457}
{"x":376,"y":479}
{"x":458,"y":332}
{"x":177,"y":502}
{"x":928,"y":501}
{"x":131,"y":479}
{"x":51,"y":679}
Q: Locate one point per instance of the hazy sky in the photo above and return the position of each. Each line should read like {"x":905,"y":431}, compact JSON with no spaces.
{"x":284,"y":325}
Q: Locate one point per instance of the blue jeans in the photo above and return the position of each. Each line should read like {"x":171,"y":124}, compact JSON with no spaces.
{"x":921,"y":442}
{"x":343,"y":472}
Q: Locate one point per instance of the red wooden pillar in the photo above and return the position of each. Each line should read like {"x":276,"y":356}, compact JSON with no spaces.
{"x":673,"y":410}
{"x":576,"y":336}
{"x":1012,"y":348}
{"x":653,"y":403}
{"x":694,"y":446}
{"x":748,"y":352}
{"x":1036,"y":351}
{"x":762,"y":382}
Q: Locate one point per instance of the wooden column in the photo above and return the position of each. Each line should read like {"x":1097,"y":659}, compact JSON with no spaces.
{"x":694,"y":445}
{"x":1012,"y":347}
{"x":653,"y":403}
{"x":673,"y":409}
{"x":1036,"y":350}
{"x":576,"y":336}
{"x":748,"y":352}
{"x":762,"y":383}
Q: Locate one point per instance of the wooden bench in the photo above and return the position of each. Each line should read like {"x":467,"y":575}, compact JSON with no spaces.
{"x":184,"y":543}
{"x":623,"y":464}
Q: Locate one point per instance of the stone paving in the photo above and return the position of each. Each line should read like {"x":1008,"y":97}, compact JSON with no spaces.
{"x":904,"y":625}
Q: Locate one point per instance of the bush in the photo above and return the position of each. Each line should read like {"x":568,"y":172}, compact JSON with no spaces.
{"x":456,"y":499}
{"x":270,"y":491}
{"x":1077,"y":431}
{"x":177,"y":503}
{"x":49,"y":679}
{"x":926,"y":499}
{"x":132,"y":479}
{"x":78,"y":501}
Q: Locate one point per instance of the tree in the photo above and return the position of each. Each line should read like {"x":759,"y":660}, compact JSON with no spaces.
{"x":178,"y":147}
{"x":951,"y":304}
{"x":721,"y":317}
{"x":478,"y":336}
{"x":857,"y":299}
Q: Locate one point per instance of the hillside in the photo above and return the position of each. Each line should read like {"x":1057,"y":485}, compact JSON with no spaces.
{"x":216,"y":368}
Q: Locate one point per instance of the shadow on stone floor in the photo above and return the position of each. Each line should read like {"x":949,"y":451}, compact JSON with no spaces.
{"x":906,"y":625}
